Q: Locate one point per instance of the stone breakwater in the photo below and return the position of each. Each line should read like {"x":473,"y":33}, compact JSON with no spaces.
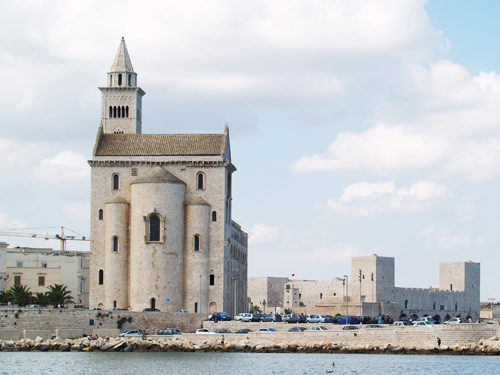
{"x":489,"y":346}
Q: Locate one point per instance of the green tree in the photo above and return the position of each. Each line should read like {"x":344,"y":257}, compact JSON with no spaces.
{"x":302,"y":304}
{"x":288,"y":311}
{"x":58,"y":294}
{"x":6,"y":296}
{"x":254,"y":309}
{"x":40,"y":298}
{"x":22,"y":295}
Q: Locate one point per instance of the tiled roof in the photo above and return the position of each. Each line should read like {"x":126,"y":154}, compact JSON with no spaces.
{"x":160,"y":144}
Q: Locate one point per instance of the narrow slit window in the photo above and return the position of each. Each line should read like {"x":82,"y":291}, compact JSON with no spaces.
{"x":114,"y":112}
{"x":110,"y":80}
{"x":214,"y":215}
{"x":110,"y":112}
{"x":119,"y":79}
{"x":116,"y":182}
{"x":200,"y":183}
{"x":119,"y":112}
{"x":101,"y":214}
{"x":197,"y":243}
{"x":101,"y":277}
{"x":130,"y":80}
{"x":115,"y":244}
{"x":126,"y":108}
{"x":212,"y":279}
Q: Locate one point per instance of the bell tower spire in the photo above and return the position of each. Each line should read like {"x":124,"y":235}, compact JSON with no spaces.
{"x":122,"y":98}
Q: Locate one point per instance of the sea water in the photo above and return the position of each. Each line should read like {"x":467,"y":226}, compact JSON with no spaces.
{"x":241,"y":363}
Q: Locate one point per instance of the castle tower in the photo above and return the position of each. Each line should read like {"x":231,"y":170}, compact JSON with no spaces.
{"x":122,"y":98}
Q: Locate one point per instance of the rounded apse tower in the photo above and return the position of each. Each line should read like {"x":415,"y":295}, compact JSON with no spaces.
{"x":116,"y":253}
{"x":197,"y":254}
{"x":157,"y":241}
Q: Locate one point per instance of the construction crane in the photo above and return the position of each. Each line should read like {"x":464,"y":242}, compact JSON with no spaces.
{"x":62,"y":237}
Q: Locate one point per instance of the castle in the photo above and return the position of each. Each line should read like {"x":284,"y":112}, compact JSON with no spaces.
{"x":161,"y":230}
{"x":371,"y":290}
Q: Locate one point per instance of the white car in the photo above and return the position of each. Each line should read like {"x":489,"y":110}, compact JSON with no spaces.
{"x":130,"y":332}
{"x":243,"y":317}
{"x":319,"y":328}
{"x":205,"y":331}
{"x":266,"y":330}
{"x":453,"y":321}
{"x":313,"y":319}
{"x":421,"y":323}
{"x":401,"y":324}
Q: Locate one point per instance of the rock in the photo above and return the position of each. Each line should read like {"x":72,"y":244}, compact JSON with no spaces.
{"x":129,"y":348}
{"x":75,"y":348}
{"x":87,"y":349}
{"x":64,"y":347}
{"x":38,"y":339}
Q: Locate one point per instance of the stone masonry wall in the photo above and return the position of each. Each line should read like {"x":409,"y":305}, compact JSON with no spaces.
{"x":52,"y":319}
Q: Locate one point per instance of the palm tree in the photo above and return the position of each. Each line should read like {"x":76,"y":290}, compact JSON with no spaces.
{"x":59,"y":295}
{"x":22,"y":295}
{"x":40,"y":298}
{"x":254,"y":309}
{"x":6,"y":296}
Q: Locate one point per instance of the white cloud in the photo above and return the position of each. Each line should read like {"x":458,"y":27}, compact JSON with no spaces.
{"x":7,"y":222}
{"x":66,"y":165}
{"x":372,"y":199}
{"x":446,"y":239}
{"x":78,"y":210}
{"x":385,"y":150}
{"x":262,"y":233}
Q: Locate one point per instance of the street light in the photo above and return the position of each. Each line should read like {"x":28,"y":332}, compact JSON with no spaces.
{"x":346,"y":278}
{"x":360,"y":299}
{"x":372,"y":295}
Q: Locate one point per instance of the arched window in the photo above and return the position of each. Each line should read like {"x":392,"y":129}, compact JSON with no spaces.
{"x":110,"y":112}
{"x":214,"y":216}
{"x":152,"y":303}
{"x":130,"y":80}
{"x":114,"y":112}
{"x":196,"y":307}
{"x":115,"y":244}
{"x":127,"y":110}
{"x":406,"y":304}
{"x":119,"y":112}
{"x":321,"y":296}
{"x":154,"y":228}
{"x":101,"y":277}
{"x":197,"y":243}
{"x":212,"y":278}
{"x":434,"y":305}
{"x":116,"y":182}
{"x":101,"y":214}
{"x":110,"y":80}
{"x":114,"y":303}
{"x":200,"y":181}
{"x":119,"y":79}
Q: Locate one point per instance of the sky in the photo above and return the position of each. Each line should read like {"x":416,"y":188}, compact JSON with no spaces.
{"x":357,"y":127}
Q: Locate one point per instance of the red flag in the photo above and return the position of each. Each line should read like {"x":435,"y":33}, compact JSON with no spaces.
{"x":293,"y":274}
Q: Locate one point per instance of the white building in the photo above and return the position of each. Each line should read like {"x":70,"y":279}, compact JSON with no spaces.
{"x":161,"y":229}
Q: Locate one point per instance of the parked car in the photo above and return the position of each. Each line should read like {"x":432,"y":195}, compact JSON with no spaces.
{"x":291,"y":318}
{"x":422,"y":323}
{"x":364,"y":319}
{"x":401,"y":324}
{"x":319,"y":328}
{"x":223,"y":331}
{"x":302,"y":318}
{"x":93,"y":308}
{"x":297,"y":329}
{"x":373,"y":326}
{"x":266,"y":330}
{"x":325,"y":319}
{"x":243,"y":317}
{"x":205,"y":331}
{"x":348,"y":320}
{"x":349,"y":328}
{"x":453,"y":321}
{"x":130,"y":332}
{"x":244,"y":330}
{"x":116,"y":309}
{"x":220,"y":316}
{"x":256,"y":317}
{"x":170,"y":331}
{"x":34,"y":306}
{"x":271,"y":318}
{"x":313,"y":319}
{"x":150,"y":309}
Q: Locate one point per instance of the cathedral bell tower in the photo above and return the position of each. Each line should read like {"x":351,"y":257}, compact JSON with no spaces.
{"x":122,"y":98}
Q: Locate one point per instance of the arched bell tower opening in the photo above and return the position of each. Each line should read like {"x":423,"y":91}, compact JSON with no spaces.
{"x":153,"y":303}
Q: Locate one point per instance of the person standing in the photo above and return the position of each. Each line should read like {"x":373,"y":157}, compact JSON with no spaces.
{"x":439,"y":342}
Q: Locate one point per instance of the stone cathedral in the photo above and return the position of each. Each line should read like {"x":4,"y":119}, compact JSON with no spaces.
{"x":161,"y":230}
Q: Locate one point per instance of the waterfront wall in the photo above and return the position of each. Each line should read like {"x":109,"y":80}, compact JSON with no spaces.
{"x":91,"y":321}
{"x":451,"y":335}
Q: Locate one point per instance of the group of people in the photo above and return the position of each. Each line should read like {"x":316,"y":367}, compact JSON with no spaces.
{"x":387,"y":319}
{"x":91,"y":338}
{"x":143,"y":333}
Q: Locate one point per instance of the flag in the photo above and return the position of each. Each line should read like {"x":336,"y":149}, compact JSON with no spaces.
{"x":293,"y":274}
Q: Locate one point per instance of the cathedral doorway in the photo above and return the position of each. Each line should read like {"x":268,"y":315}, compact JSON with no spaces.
{"x":153,"y":303}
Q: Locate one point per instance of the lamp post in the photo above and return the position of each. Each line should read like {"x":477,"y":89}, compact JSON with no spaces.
{"x":372,"y":295}
{"x":264,"y":304}
{"x":236,"y":274}
{"x":360,"y":299}
{"x":346,"y":278}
